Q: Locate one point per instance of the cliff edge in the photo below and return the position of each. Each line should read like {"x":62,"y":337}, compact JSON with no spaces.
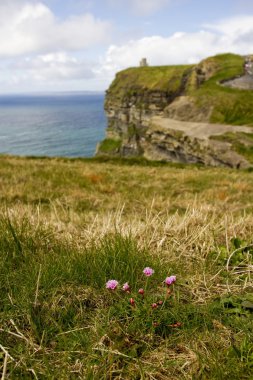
{"x":190,"y":114}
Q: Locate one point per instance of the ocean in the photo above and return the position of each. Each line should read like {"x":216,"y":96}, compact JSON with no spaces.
{"x":67,"y":125}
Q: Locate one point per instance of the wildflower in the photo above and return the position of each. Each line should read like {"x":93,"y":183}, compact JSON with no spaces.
{"x":141,"y":291}
{"x":126,"y":287}
{"x":132,"y":301}
{"x":148,"y":271}
{"x":112,"y":284}
{"x":170,"y":280}
{"x":160,"y":303}
{"x":154,"y":305}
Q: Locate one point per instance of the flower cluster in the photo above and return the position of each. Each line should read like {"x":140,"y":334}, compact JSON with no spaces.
{"x":143,"y":300}
{"x":113,"y":284}
{"x":148,"y":272}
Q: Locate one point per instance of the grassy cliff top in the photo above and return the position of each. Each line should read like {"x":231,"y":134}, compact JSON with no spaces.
{"x":168,"y":78}
{"x":202,"y":82}
{"x":160,"y":78}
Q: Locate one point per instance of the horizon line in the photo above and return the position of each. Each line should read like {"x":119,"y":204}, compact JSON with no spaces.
{"x":63,"y":92}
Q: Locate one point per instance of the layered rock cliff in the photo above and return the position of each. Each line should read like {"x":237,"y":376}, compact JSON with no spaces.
{"x":181,"y":114}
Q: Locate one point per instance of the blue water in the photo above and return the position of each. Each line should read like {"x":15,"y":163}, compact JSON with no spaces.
{"x":68,"y":125}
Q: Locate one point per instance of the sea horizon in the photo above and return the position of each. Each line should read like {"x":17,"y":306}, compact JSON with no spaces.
{"x":41,"y":93}
{"x":53,"y":124}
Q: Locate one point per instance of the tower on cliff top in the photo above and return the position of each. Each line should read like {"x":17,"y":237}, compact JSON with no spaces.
{"x":143,"y":62}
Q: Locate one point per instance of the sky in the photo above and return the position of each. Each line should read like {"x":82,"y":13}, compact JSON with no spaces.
{"x":79,"y":45}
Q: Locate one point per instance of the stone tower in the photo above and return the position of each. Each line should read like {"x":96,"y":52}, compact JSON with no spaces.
{"x":143,"y":62}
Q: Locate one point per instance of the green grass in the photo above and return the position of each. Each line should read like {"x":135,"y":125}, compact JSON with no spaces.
{"x":67,"y":226}
{"x":109,"y":146}
{"x":133,"y":81}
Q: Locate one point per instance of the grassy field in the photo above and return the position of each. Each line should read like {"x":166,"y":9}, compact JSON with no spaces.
{"x":69,"y":226}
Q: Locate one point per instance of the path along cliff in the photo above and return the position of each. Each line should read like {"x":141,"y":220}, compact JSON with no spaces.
{"x":191,"y":114}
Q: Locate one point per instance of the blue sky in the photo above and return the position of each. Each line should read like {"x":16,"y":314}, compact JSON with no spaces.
{"x":75,"y":45}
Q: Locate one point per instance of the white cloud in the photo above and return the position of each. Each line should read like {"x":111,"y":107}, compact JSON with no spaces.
{"x":29,"y":27}
{"x":233,"y":26}
{"x":230,"y":35}
{"x":49,"y":68}
{"x":49,"y":72}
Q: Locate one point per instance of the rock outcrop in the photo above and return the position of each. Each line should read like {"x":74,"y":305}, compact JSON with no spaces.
{"x":155,"y":113}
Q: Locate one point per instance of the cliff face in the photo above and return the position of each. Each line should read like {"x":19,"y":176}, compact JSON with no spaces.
{"x":160,"y":113}
{"x":128,"y":120}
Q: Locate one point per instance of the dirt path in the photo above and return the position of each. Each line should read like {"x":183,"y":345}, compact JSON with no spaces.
{"x":244,"y":82}
{"x":198,"y":130}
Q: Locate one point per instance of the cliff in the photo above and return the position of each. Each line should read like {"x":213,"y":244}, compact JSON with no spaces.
{"x":182,"y":113}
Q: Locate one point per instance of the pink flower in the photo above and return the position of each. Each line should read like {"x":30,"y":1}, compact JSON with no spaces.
{"x":126,"y":287}
{"x":154,"y":305}
{"x":170,"y":280}
{"x":112,"y":284}
{"x":141,"y":291}
{"x":148,"y":271}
